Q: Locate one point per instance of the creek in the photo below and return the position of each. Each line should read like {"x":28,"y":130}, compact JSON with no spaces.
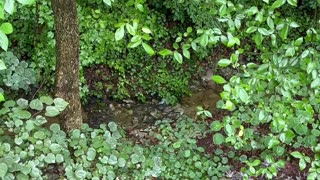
{"x":132,"y":115}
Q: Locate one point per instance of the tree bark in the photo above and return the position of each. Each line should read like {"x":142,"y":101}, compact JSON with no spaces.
{"x":67,"y":63}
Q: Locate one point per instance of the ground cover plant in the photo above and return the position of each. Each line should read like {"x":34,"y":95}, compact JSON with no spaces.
{"x":268,"y":69}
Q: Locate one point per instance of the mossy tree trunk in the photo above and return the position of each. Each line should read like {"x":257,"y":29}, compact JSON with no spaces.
{"x":67,"y":55}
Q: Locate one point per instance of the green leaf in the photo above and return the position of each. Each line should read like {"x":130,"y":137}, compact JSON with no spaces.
{"x":119,"y":33}
{"x":146,"y":30}
{"x":9,"y":6}
{"x":292,"y":2}
{"x":298,"y":42}
{"x":284,"y":32}
{"x":224,"y":62}
{"x":108,"y":2}
{"x":91,"y":154}
{"x":23,"y":114}
{"x":52,"y":111}
{"x":3,"y":170}
{"x":290,"y":52}
{"x":130,"y":29}
{"x":264,"y":31}
{"x":278,"y":3}
{"x":186,"y":53}
{"x":315,"y":83}
{"x":50,"y":158}
{"x":139,"y":7}
{"x":148,"y":49}
{"x":251,"y":29}
{"x":26,"y":2}
{"x":218,"y":139}
{"x":302,"y":164}
{"x":36,"y":104}
{"x":243,"y":95}
{"x":204,"y":40}
{"x":165,"y":52}
{"x":2,"y":97}
{"x":81,"y":174}
{"x":218,"y":79}
{"x":55,"y":148}
{"x":121,"y":162}
{"x":23,"y":103}
{"x":60,"y":104}
{"x":46,"y":99}
{"x":177,"y":144}
{"x":187,"y":153}
{"x":4,"y":41}
{"x":113,"y":126}
{"x":2,"y":65}
{"x":270,"y":22}
{"x":177,"y":56}
{"x":6,"y":28}
{"x":216,"y":126}
{"x":39,"y":135}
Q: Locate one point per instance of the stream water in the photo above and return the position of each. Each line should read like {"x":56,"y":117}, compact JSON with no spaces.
{"x":130,"y":114}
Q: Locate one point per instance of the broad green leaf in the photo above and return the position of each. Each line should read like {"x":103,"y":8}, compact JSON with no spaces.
{"x":266,"y":1}
{"x":298,"y":42}
{"x":1,"y":97}
{"x":297,"y":154}
{"x":243,"y":95}
{"x":3,"y":170}
{"x":294,"y":24}
{"x":55,"y":148}
{"x":251,"y":29}
{"x":278,"y":3}
{"x":139,"y":7}
{"x":23,"y":103}
{"x":146,"y":30}
{"x":46,"y":99}
{"x":121,"y":162}
{"x":119,"y":33}
{"x":81,"y":174}
{"x":108,"y":2}
{"x":258,"y":39}
{"x":204,"y":40}
{"x":218,"y":139}
{"x":186,"y":53}
{"x":302,"y":164}
{"x":60,"y":104}
{"x":177,"y":56}
{"x":187,"y":153}
{"x":26,"y":2}
{"x":9,"y":6}
{"x":270,"y":22}
{"x":2,"y":65}
{"x":50,"y":158}
{"x":51,"y":111}
{"x":292,"y":2}
{"x":315,"y":83}
{"x":148,"y":49}
{"x":4,"y":41}
{"x":264,"y":31}
{"x":23,"y":114}
{"x":165,"y":52}
{"x":39,"y":135}
{"x":6,"y":28}
{"x":290,"y":52}
{"x":36,"y":104}
{"x":218,"y":79}
{"x":216,"y":126}
{"x":112,"y":126}
{"x":130,"y":29}
{"x":91,"y":154}
{"x":113,"y":159}
{"x":224,"y":62}
{"x":284,"y":32}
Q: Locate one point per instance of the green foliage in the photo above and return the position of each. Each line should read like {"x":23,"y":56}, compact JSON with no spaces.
{"x":18,"y":74}
{"x":28,"y":149}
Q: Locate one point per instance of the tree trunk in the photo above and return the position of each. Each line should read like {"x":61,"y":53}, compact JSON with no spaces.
{"x":67,"y":55}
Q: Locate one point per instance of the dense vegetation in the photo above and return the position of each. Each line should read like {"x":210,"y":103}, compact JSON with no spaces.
{"x":267,"y":66}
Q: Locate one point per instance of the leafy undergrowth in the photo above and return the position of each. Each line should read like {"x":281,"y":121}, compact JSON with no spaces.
{"x":171,"y":149}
